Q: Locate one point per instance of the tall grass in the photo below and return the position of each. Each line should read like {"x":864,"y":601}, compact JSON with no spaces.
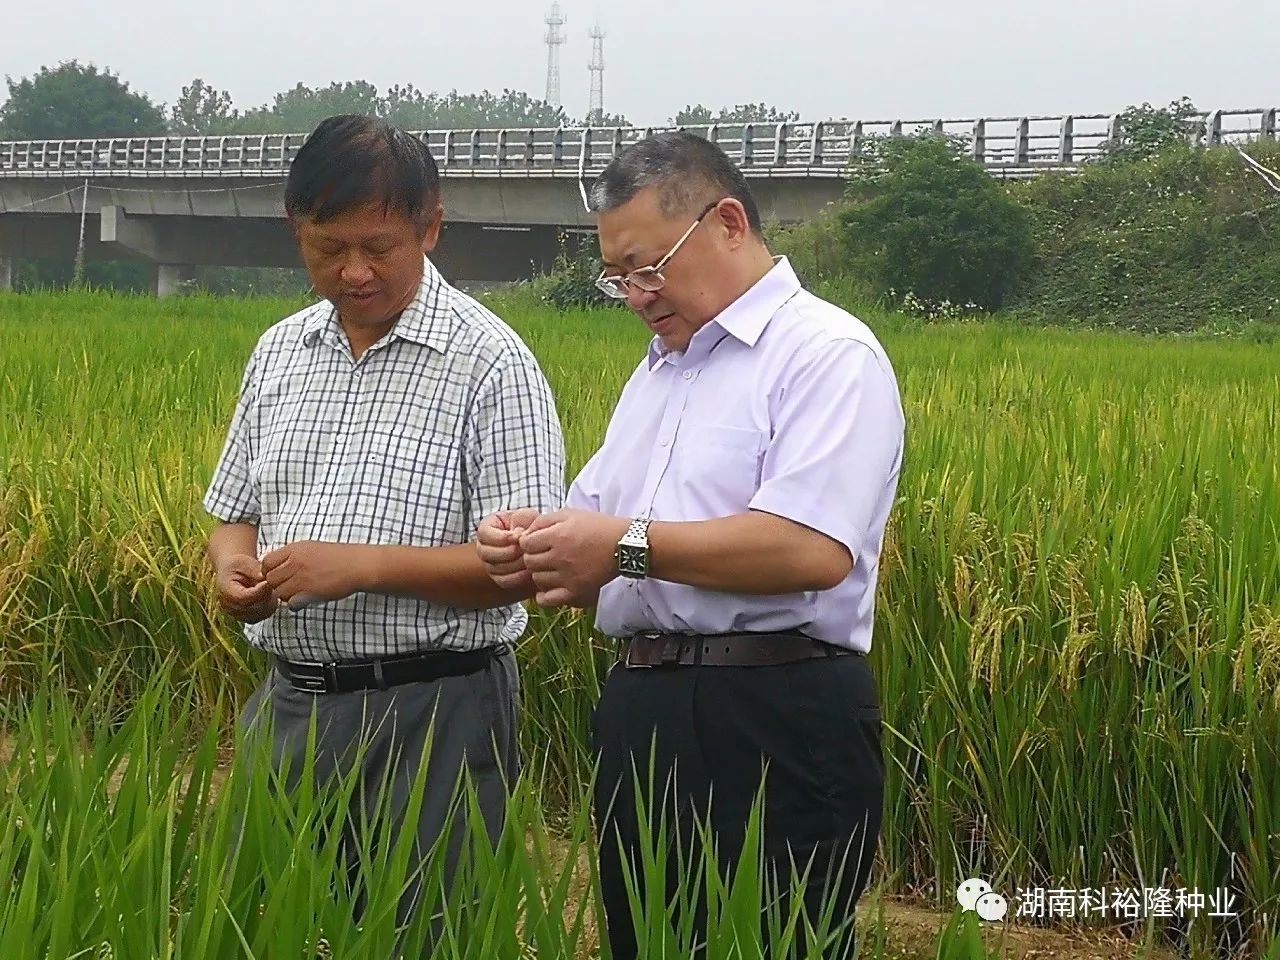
{"x":1078,"y":637}
{"x":124,"y":838}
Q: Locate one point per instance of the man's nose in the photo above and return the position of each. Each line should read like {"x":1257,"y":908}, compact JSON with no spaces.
{"x":356,"y":270}
{"x":638,"y":299}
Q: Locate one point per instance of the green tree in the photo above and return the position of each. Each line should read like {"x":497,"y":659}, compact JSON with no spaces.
{"x":301,"y":109}
{"x":700,"y":116}
{"x":411,"y":109}
{"x":606,"y":119}
{"x":694,"y":116}
{"x":202,"y":110}
{"x":73,"y":101}
{"x":925,"y":224}
{"x":1146,"y":131}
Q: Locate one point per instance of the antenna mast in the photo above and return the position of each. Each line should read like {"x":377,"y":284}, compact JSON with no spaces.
{"x":596,"y":109}
{"x":555,"y":40}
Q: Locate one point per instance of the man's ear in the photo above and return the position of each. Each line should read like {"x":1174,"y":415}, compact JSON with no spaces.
{"x":431,"y":236}
{"x":736,"y":223}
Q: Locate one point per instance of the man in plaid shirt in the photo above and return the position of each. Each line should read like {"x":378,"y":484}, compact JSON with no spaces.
{"x":374,"y":431}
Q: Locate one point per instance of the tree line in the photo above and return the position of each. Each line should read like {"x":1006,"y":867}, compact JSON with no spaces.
{"x":72,"y":101}
{"x":80,"y":101}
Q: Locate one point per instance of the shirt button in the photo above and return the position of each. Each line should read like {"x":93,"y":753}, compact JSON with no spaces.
{"x":666,"y":441}
{"x":688,"y":374}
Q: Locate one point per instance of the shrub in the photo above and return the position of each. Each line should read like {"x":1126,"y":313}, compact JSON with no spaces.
{"x":815,"y":249}
{"x":924,"y":219}
{"x":1183,"y":240}
{"x":572,"y":281}
{"x":1146,"y":131}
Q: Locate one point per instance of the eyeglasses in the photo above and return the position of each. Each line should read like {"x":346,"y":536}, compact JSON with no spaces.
{"x":648,"y":279}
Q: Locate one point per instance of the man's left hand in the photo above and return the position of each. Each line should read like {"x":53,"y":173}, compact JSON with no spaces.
{"x":310,"y":571}
{"x":570,"y":554}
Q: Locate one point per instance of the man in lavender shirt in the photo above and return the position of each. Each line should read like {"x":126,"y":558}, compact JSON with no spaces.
{"x":728,"y":532}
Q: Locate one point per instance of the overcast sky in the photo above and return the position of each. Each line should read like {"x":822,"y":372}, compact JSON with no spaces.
{"x":868,"y":59}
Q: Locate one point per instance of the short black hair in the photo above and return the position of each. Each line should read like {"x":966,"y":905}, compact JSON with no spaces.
{"x":689,"y":171}
{"x":351,"y":159}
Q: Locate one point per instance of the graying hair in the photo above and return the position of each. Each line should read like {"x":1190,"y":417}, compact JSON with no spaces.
{"x":688,"y":170}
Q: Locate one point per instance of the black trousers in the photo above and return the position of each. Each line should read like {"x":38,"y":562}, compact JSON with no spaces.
{"x":702,"y":737}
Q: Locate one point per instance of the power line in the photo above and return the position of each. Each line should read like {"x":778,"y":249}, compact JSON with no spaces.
{"x":111,"y":190}
{"x":252,"y":186}
{"x":36,"y":203}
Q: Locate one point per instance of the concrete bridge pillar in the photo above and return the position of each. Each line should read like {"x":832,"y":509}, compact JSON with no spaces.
{"x":6,"y":273}
{"x":171,"y":276}
{"x":140,"y":237}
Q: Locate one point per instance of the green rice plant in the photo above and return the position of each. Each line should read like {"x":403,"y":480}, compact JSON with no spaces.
{"x":1078,"y":631}
{"x":126,"y":837}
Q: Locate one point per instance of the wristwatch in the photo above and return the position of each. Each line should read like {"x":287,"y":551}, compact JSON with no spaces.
{"x":632,"y":552}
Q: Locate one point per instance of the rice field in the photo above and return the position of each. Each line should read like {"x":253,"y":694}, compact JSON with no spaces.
{"x":1078,"y":642}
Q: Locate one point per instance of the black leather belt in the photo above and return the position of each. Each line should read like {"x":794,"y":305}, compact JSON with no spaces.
{"x":657,"y":649}
{"x":344,"y":676}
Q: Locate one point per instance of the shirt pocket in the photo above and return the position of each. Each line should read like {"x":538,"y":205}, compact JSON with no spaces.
{"x":718,"y":469}
{"x":411,"y":488}
{"x":291,"y":453}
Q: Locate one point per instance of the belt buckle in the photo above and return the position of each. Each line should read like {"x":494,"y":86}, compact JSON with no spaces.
{"x":324,"y":680}
{"x":643,"y":635}
{"x":671,"y":648}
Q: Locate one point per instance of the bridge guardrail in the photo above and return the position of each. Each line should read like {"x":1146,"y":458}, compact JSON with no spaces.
{"x":1015,"y":146}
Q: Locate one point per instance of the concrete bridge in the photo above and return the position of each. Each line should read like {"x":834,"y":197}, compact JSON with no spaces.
{"x":179,"y":202}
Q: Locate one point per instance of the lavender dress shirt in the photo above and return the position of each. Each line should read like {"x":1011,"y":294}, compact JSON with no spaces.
{"x":784,"y":403}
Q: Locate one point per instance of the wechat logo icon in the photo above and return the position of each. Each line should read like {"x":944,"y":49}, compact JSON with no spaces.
{"x":976,"y":894}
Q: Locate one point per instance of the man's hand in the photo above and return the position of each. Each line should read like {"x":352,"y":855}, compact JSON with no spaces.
{"x":570,"y":554}
{"x":311,"y":571}
{"x":243,"y":593}
{"x":498,"y":545}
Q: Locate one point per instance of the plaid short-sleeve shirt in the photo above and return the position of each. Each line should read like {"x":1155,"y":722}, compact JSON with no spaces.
{"x":445,"y":420}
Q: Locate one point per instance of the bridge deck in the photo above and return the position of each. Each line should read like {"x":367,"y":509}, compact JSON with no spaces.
{"x":510,"y":194}
{"x":1014,"y":146}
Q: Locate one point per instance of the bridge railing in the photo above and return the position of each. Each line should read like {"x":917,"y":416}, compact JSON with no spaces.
{"x":1009,"y":145}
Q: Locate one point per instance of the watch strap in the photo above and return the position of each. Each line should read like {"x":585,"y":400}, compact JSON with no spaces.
{"x":638,"y":531}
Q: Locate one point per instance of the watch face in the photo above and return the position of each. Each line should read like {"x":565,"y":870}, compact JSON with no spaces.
{"x":632,"y":559}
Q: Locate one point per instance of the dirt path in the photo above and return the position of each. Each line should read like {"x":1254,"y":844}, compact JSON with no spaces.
{"x":911,"y":931}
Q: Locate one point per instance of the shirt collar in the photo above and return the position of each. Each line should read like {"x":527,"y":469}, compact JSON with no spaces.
{"x":660,"y":354}
{"x":425,"y":319}
{"x":322,"y":320}
{"x":746,"y":318}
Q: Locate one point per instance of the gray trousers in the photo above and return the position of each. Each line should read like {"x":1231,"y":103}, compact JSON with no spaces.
{"x":470,"y":720}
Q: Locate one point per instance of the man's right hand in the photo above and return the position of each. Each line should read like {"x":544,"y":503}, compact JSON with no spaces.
{"x":243,"y":592}
{"x":498,"y":544}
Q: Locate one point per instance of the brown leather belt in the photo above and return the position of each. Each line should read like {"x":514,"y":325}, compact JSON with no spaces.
{"x":655,"y":649}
